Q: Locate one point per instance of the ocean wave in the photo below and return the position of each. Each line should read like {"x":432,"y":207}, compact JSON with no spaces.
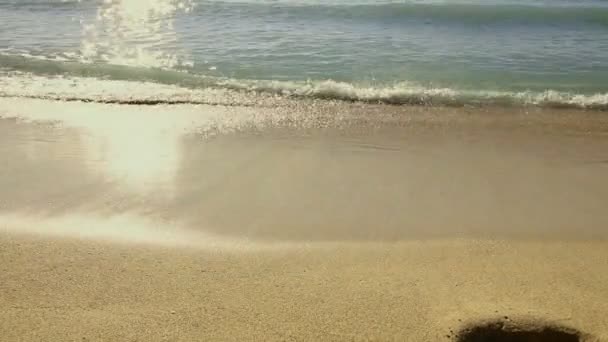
{"x":218,"y":91}
{"x":24,"y":76}
{"x":430,"y":12}
{"x":39,"y":5}
{"x":472,"y":12}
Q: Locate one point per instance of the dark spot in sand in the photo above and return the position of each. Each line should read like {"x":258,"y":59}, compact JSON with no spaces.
{"x":499,"y":331}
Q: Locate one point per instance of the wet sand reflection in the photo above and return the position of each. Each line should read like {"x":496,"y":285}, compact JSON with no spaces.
{"x":296,"y":184}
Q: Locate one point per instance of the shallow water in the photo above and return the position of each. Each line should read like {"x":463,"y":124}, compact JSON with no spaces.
{"x":275,"y":174}
{"x":459,"y":52}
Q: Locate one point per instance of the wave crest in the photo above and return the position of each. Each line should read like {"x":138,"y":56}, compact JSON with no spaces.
{"x":269,"y":93}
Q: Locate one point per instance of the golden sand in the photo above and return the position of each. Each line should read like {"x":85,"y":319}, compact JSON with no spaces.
{"x":313,"y":222}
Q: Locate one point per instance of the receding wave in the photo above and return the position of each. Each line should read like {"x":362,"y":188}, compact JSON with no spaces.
{"x":71,"y":81}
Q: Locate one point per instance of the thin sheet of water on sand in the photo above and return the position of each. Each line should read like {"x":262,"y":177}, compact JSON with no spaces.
{"x":305,"y":172}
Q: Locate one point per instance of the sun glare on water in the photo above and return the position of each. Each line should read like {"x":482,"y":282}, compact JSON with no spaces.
{"x":130,"y":32}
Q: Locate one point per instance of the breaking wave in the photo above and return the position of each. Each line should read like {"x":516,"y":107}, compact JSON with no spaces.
{"x":72,"y":81}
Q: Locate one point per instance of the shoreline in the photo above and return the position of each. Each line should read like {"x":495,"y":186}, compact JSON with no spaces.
{"x":428,"y":104}
{"x":320,"y":222}
{"x":310,"y":173}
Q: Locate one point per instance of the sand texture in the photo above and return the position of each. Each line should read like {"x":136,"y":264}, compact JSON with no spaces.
{"x":301,"y":221}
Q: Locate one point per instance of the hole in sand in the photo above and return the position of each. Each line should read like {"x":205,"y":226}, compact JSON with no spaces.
{"x":511,"y":332}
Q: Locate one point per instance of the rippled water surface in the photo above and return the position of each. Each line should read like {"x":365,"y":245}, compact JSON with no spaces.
{"x":460,"y":51}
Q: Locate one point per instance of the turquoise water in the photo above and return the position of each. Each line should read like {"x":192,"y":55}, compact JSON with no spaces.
{"x":552,"y":52}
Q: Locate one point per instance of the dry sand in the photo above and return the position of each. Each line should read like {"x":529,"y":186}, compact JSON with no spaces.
{"x":326,"y":222}
{"x":72,"y":290}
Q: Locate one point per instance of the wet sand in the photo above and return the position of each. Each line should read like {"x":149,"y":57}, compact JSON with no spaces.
{"x":304,"y":221}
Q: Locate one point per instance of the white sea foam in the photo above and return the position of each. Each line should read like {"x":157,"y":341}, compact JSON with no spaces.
{"x":266,"y":93}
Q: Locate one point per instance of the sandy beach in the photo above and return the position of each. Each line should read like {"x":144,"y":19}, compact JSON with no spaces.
{"x":300,"y":221}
